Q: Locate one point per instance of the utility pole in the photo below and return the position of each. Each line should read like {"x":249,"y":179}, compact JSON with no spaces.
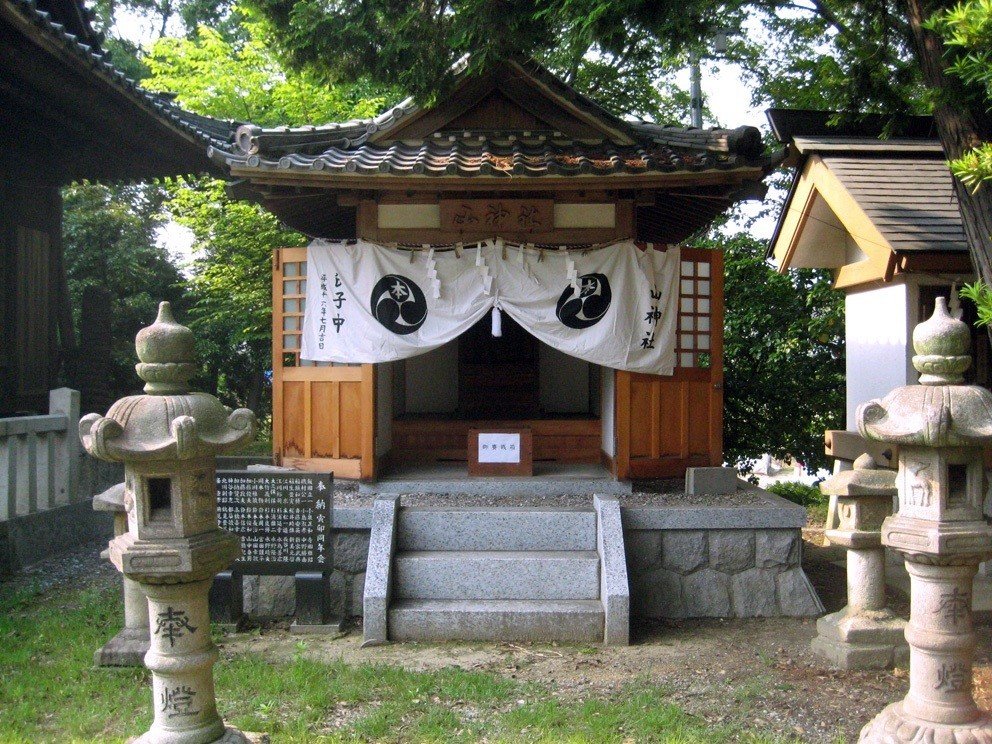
{"x":695,"y":91}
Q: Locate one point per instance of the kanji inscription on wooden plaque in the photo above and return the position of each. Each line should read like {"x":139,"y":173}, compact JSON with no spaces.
{"x":499,"y":216}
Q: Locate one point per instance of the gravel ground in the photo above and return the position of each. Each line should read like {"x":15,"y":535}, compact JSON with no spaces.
{"x":80,"y":567}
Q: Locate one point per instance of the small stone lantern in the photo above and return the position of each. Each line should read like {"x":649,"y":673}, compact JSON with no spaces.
{"x":129,"y":646}
{"x":865,"y":634}
{"x":167,"y":440}
{"x":941,"y":427}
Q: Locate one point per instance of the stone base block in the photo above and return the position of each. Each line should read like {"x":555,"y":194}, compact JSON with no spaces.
{"x":710,"y":481}
{"x":848,"y":656}
{"x":331,"y":628}
{"x":231,"y":736}
{"x":874,"y":640}
{"x":541,"y":621}
{"x":894,"y":726}
{"x":126,"y":649}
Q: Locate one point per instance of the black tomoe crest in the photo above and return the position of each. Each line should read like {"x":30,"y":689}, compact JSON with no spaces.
{"x":585,"y":306}
{"x":398,"y":304}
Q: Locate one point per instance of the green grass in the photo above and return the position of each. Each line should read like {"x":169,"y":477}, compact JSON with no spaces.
{"x":809,"y":496}
{"x":49,"y":691}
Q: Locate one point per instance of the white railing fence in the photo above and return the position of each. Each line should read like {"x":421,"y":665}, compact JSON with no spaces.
{"x":40,"y":458}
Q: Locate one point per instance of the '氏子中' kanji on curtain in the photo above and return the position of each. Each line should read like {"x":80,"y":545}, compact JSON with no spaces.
{"x":614,"y":305}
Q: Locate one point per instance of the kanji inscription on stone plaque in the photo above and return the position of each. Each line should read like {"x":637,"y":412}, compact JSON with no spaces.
{"x":283,"y":519}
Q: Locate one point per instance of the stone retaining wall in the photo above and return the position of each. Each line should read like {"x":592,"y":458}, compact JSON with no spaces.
{"x":272,"y":597}
{"x":681,"y":563}
{"x":718,"y":573}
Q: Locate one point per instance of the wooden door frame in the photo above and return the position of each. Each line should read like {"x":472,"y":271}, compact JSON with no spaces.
{"x":362,"y":467}
{"x":681,"y":376}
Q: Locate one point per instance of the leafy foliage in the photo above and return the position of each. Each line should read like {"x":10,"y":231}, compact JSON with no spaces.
{"x":230,"y":289}
{"x":981,"y":294}
{"x":109,"y":240}
{"x":967,"y":33}
{"x":243,"y":80}
{"x":230,"y":276}
{"x":799,"y":493}
{"x":783,"y":358}
{"x":846,"y":54}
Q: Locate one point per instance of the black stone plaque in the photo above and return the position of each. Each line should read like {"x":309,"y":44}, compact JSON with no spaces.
{"x":282,"y":518}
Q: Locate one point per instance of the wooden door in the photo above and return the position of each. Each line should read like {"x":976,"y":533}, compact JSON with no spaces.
{"x":323,"y":413}
{"x":667,"y":424}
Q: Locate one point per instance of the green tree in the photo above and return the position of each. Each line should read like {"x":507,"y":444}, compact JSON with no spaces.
{"x":783,"y":357}
{"x":109,"y":236}
{"x":230,"y":281}
{"x":967,"y":33}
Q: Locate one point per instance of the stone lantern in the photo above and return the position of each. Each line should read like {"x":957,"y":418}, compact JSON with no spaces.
{"x":941,"y":427}
{"x":167,"y":440}
{"x":865,"y":634}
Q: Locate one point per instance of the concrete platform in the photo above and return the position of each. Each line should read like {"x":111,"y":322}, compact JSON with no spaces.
{"x":549,"y":479}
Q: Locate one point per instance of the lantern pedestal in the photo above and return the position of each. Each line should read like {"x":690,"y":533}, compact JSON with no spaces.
{"x":181,"y":659}
{"x":129,"y":646}
{"x":172,"y":548}
{"x":941,"y":427}
{"x":865,"y":634}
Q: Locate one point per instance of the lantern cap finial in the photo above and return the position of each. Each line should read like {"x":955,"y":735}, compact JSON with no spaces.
{"x":943,"y":347}
{"x":165,"y":349}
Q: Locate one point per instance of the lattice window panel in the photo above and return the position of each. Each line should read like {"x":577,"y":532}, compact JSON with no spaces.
{"x":694,"y":341}
{"x":294,"y":302}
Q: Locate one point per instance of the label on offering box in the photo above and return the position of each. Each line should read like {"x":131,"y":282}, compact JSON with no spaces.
{"x":499,"y":447}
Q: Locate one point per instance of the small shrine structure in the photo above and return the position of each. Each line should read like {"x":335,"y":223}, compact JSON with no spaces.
{"x":518,"y":158}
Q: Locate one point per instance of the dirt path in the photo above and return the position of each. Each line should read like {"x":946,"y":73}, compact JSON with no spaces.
{"x":758,"y":674}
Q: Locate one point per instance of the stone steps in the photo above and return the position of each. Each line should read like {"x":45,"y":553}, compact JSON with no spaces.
{"x":497,"y":574}
{"x":541,"y":621}
{"x":482,"y":528}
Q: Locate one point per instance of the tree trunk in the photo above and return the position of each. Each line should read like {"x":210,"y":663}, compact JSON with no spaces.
{"x":961,"y":127}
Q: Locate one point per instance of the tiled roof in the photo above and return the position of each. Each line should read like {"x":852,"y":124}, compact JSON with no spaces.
{"x":85,"y":48}
{"x":902,"y":183}
{"x":389,"y":144}
{"x":910,"y":200}
{"x":499,"y":154}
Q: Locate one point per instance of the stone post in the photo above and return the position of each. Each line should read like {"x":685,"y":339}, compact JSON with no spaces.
{"x":129,"y":646}
{"x":865,"y":634}
{"x":941,"y":427}
{"x":168,"y":440}
{"x":65,"y":467}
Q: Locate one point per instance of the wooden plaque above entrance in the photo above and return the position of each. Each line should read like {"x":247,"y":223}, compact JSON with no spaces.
{"x":498,"y":216}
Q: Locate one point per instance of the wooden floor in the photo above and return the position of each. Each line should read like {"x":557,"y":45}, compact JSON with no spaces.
{"x":444,"y":440}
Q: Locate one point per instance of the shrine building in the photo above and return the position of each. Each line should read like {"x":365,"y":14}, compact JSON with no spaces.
{"x":514,"y":173}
